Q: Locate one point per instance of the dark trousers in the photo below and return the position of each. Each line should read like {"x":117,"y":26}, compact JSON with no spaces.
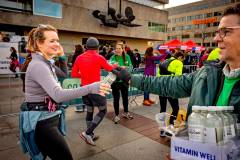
{"x":175,"y":107}
{"x":146,"y":95}
{"x":91,"y":101}
{"x":118,"y":87}
{"x":50,"y":141}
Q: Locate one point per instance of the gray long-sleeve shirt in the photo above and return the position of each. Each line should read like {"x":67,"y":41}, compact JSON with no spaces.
{"x":41,"y":81}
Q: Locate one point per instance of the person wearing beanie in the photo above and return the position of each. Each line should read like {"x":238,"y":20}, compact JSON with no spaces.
{"x":92,"y":43}
{"x":88,"y":67}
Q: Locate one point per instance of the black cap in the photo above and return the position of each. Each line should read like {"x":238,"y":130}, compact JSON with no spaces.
{"x":92,"y":43}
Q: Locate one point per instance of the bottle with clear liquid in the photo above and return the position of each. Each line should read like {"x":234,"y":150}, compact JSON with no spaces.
{"x":237,"y":124}
{"x":204,"y":111}
{"x":228,"y":112}
{"x":227,"y":133}
{"x":213,"y":127}
{"x":196,"y":125}
{"x":110,"y":78}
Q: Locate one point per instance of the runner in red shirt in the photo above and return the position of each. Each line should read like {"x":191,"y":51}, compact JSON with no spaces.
{"x":88,"y":67}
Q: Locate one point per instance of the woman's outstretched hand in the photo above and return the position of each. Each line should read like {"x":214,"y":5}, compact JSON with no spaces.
{"x":104,"y":89}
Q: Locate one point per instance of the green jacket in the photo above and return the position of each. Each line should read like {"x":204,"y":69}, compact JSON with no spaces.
{"x":203,"y":86}
{"x":115,"y":59}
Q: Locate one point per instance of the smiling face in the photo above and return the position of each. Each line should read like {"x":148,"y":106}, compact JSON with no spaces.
{"x":119,"y":49}
{"x":229,"y":44}
{"x":50,"y":45}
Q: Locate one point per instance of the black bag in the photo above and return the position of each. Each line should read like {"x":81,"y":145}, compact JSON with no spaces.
{"x":163,"y":66}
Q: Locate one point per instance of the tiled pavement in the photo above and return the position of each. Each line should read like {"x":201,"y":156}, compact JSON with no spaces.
{"x":144,"y":126}
{"x":131,"y":139}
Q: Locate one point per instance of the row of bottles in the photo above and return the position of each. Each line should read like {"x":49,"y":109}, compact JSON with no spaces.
{"x":213,"y":124}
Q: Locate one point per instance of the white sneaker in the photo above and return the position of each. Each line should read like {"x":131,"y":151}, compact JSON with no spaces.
{"x":116,"y":119}
{"x":127,"y":115}
{"x":94,"y":137}
{"x":162,"y":133}
{"x":170,"y":131}
{"x":87,"y":138}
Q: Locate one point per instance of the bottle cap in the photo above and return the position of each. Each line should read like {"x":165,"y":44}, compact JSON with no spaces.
{"x":194,"y":108}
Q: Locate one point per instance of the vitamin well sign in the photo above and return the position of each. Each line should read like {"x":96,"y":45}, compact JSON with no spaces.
{"x":183,"y":149}
{"x":205,"y":21}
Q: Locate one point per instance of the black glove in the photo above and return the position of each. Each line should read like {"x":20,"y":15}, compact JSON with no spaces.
{"x":122,"y":74}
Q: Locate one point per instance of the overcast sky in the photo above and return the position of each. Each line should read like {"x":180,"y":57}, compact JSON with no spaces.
{"x":173,"y":3}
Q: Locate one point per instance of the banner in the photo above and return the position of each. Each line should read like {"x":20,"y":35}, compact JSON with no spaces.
{"x":205,"y":21}
{"x":4,"y":56}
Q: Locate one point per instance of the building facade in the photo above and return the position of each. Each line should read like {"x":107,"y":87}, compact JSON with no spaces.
{"x":75,"y":21}
{"x":197,"y":21}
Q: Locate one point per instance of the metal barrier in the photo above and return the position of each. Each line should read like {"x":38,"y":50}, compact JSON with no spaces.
{"x":134,"y":92}
{"x":12,"y":95}
{"x":189,"y":68}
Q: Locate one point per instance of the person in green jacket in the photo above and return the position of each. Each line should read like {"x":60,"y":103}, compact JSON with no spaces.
{"x":216,"y":83}
{"x":121,"y":59}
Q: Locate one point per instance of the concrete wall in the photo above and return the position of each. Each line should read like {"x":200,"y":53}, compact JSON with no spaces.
{"x":68,"y":40}
{"x":77,"y":16}
{"x":77,"y":22}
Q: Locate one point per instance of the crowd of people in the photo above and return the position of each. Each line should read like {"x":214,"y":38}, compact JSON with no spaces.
{"x":215,"y":84}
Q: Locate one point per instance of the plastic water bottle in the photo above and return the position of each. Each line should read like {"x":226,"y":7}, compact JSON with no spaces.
{"x":204,"y":111}
{"x":110,"y":78}
{"x":228,"y":112}
{"x":196,"y":125}
{"x":227,"y":133}
{"x":213,"y":127}
{"x":237,"y":124}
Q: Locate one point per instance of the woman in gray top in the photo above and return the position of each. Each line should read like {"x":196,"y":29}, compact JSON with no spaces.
{"x":41,"y":117}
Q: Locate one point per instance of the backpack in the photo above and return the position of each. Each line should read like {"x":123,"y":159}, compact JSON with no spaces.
{"x":163,"y":66}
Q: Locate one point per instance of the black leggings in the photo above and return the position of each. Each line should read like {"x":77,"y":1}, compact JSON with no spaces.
{"x":175,"y":107}
{"x":116,"y":88}
{"x":92,"y":100}
{"x":50,"y":141}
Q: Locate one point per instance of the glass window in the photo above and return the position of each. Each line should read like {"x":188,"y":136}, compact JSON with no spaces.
{"x":206,"y":44}
{"x":187,"y":27}
{"x":208,"y":15}
{"x":208,"y":25}
{"x":47,"y":8}
{"x":198,"y":35}
{"x":209,"y":34}
{"x":156,"y":27}
{"x":216,"y":24}
{"x":214,"y":44}
{"x":217,"y":13}
{"x":197,"y":25}
{"x":186,"y":36}
{"x":16,"y":5}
